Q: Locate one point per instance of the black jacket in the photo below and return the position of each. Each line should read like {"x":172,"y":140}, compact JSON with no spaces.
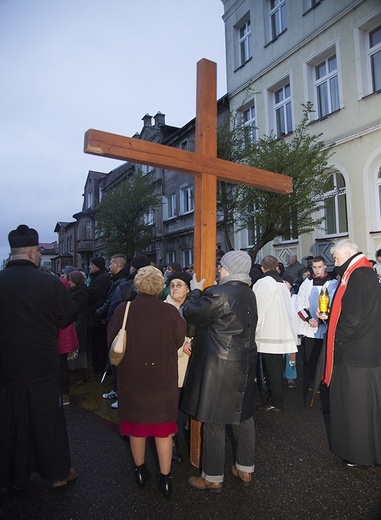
{"x":219,"y":384}
{"x":103,"y":311}
{"x":80,"y":296}
{"x":98,"y":289}
{"x":33,"y":306}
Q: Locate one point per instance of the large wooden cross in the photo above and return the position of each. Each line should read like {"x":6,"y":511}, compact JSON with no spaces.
{"x":206,"y":167}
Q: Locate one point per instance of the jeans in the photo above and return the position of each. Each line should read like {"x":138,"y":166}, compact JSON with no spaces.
{"x":213,"y":449}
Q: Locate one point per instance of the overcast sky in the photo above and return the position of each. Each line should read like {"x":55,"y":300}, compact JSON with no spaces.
{"x":70,"y":65}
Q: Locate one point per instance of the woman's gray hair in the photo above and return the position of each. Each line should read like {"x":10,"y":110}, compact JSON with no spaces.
{"x":346,"y":245}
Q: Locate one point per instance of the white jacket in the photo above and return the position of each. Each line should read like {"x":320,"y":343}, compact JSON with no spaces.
{"x":275,"y":332}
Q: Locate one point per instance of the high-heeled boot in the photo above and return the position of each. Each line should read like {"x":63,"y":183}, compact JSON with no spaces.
{"x":141,"y":474}
{"x":176,"y":455}
{"x":165,"y":485}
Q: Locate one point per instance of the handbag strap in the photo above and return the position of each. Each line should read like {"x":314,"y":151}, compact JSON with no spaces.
{"x":125,"y":315}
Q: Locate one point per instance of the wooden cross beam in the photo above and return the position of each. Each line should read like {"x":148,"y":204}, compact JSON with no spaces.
{"x":206,"y":167}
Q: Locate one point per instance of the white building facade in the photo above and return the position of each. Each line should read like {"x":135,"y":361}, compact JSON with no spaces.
{"x":280,"y":54}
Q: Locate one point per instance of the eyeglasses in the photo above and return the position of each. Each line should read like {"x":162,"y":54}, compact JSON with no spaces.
{"x":177,"y":285}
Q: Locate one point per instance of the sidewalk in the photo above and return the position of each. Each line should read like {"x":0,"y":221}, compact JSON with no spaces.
{"x":296,"y":475}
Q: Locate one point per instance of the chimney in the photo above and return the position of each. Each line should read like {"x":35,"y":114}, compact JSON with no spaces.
{"x":159,"y":119}
{"x":147,"y":120}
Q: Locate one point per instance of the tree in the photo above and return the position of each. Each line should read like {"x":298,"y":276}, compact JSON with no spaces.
{"x":121,"y":215}
{"x":302,"y":156}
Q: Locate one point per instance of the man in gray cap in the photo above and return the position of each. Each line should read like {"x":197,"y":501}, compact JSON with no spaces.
{"x":33,"y":306}
{"x":219,"y":385}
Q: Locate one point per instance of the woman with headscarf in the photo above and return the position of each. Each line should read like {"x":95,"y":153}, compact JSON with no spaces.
{"x":147,"y":374}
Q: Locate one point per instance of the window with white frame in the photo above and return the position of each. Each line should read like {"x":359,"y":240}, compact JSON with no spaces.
{"x":148,"y":218}
{"x":277,"y":17}
{"x":186,"y":199}
{"x":282,"y":109}
{"x":310,"y":4}
{"x":374,"y":56}
{"x":170,"y":206}
{"x":244,"y":42}
{"x":187,"y":256}
{"x":253,"y":229}
{"x":326,"y":86}
{"x":171,"y":257}
{"x":378,"y":191}
{"x":335,"y":206}
{"x":367,"y":58}
{"x":249,"y":122}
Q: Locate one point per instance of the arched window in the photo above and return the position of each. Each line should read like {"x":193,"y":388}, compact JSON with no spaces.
{"x":335,"y":205}
{"x":378,"y":188}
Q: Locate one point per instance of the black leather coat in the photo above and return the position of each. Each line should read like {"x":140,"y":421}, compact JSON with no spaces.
{"x":219,"y":384}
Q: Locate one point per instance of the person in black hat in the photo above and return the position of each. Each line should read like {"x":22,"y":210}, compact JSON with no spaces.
{"x":99,"y":286}
{"x":34,"y":305}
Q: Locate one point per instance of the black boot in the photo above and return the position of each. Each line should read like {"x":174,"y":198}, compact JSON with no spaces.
{"x":176,"y":455}
{"x":165,"y":485}
{"x":141,"y":474}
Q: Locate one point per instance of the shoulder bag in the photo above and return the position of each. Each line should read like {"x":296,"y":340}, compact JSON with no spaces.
{"x":118,"y":346}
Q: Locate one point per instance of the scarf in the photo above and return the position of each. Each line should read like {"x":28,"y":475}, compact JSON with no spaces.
{"x":354,"y":263}
{"x":237,"y":277}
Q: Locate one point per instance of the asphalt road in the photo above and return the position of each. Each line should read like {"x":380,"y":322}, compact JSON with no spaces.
{"x":296,"y":475}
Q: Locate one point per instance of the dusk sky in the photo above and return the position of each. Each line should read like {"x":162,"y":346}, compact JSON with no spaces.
{"x":70,"y":65}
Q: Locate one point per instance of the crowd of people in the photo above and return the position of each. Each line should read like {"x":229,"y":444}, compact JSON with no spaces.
{"x":203,"y":354}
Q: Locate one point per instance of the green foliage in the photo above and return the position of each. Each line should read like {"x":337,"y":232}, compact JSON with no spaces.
{"x":120,"y":215}
{"x":302,"y":156}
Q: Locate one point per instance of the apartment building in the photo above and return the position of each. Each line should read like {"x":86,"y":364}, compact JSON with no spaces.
{"x":281,"y":54}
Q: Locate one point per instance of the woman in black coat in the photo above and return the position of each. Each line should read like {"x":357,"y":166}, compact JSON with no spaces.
{"x":79,"y":294}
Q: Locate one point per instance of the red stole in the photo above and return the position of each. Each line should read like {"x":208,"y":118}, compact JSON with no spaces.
{"x":358,"y":261}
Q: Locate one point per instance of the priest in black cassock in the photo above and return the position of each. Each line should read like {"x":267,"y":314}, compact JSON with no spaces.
{"x":353,"y":359}
{"x":33,"y":306}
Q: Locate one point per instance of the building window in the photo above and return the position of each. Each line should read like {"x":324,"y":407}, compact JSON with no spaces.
{"x":148,"y":218}
{"x":100,"y":194}
{"x":184,"y":145}
{"x":244,"y":42}
{"x":170,"y":206}
{"x":367,"y":56}
{"x":146,"y":169}
{"x":171,"y":257}
{"x":374,"y":53}
{"x":89,"y":199}
{"x":88,"y":228}
{"x":187,"y":257}
{"x":282,"y":108}
{"x":378,"y":191}
{"x":186,"y":199}
{"x":326,"y":86}
{"x":277,"y":17}
{"x":335,"y":206}
{"x":249,"y":122}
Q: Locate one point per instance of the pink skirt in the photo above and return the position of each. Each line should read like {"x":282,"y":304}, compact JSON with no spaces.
{"x":148,"y":430}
